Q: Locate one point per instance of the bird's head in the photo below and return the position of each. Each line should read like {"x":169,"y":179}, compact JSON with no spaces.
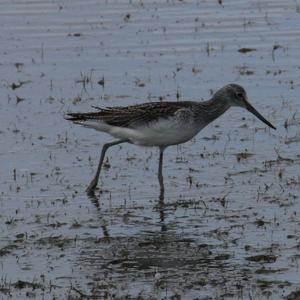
{"x":235,"y":95}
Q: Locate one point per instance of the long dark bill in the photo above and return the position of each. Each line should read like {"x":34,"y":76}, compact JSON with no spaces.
{"x":250,"y":108}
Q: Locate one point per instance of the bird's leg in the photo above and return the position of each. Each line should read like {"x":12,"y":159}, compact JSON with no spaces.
{"x":92,"y":186}
{"x":160,"y":175}
{"x":162,"y":189}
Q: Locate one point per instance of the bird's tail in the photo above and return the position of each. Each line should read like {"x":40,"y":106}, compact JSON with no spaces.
{"x":79,"y":117}
{"x":90,"y":120}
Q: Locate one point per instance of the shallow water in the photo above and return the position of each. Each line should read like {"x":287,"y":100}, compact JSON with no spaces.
{"x":228,"y":228}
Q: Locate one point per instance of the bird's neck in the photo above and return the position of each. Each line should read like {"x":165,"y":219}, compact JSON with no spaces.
{"x":212,"y":109}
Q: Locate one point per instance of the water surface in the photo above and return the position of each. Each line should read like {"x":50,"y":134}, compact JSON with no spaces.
{"x":229,"y":226}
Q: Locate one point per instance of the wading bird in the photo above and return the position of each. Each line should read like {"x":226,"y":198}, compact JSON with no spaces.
{"x":161,"y":124}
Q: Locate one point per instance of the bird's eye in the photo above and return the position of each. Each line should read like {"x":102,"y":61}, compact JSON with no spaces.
{"x":240,"y":95}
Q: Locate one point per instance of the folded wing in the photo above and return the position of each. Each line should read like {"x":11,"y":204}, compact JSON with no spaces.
{"x":131,"y":116}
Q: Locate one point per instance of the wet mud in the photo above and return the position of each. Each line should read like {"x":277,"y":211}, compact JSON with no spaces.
{"x":228,"y":226}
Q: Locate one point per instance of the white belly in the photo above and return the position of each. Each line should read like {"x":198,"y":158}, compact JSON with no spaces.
{"x":161,"y":133}
{"x":164,"y":132}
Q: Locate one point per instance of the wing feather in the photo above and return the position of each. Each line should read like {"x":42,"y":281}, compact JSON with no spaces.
{"x":134,"y":115}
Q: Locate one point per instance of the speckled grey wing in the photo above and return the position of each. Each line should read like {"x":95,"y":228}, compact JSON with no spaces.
{"x":135,"y":115}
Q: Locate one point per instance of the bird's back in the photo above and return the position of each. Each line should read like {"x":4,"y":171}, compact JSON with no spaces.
{"x":132,"y":116}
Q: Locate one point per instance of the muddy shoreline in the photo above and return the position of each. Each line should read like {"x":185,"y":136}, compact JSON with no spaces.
{"x":229,"y":225}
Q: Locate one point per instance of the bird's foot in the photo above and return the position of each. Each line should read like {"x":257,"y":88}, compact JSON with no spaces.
{"x":92,"y":187}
